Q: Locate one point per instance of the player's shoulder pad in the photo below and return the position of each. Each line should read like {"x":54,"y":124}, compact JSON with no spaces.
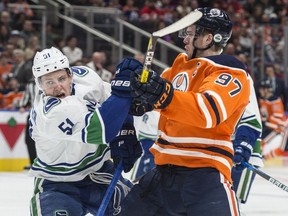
{"x":227,"y":60}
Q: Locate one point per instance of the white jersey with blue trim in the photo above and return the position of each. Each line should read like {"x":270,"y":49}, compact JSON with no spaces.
{"x":69,"y":133}
{"x":147,"y":125}
{"x":251,"y":121}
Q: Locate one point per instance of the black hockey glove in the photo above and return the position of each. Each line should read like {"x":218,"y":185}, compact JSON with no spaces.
{"x":126,"y":147}
{"x":138,"y":108}
{"x":242,"y":153}
{"x":156,"y":91}
{"x":120,"y":85}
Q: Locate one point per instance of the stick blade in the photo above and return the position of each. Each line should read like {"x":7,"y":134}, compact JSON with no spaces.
{"x":184,"y":22}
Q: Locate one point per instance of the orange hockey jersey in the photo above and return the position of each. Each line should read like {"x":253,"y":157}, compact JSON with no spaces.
{"x":209,"y":98}
{"x":273,"y":113}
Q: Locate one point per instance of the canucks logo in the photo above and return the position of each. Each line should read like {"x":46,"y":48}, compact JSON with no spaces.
{"x":180,"y":82}
{"x":79,"y":71}
{"x":50,"y":103}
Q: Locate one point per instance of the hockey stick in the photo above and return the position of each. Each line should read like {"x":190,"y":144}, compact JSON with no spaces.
{"x":177,"y":26}
{"x":110,"y":190}
{"x":265,"y":176}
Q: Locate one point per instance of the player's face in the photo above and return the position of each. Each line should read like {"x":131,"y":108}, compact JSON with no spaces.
{"x":188,"y":40}
{"x":56,"y":84}
{"x":191,"y":41}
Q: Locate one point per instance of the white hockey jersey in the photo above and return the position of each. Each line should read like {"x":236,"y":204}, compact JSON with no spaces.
{"x":68,"y":143}
{"x":147,"y":125}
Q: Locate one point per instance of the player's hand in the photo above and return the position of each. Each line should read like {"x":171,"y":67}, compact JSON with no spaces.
{"x":242,"y":153}
{"x":120,"y":85}
{"x":156,"y":91}
{"x":126,"y":147}
{"x":138,"y":108}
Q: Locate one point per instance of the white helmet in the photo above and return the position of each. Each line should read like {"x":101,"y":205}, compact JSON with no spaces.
{"x":47,"y":61}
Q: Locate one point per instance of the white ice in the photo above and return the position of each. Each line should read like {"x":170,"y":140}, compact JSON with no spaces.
{"x":265,"y":198}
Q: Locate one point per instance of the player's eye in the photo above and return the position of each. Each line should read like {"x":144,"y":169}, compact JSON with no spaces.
{"x":62,"y":79}
{"x":49,"y":83}
{"x":189,"y":34}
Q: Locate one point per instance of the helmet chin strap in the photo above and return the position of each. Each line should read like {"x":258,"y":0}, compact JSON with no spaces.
{"x":197,"y":48}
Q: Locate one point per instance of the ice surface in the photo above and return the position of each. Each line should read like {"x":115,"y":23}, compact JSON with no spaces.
{"x":265,"y":198}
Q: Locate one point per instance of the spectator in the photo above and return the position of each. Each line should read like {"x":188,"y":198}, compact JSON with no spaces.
{"x":19,"y":60}
{"x":71,"y":50}
{"x":150,"y":12}
{"x":4,"y":5}
{"x":32,"y":46}
{"x":130,"y":12}
{"x":12,"y":94}
{"x":17,"y":39}
{"x":4,"y":35}
{"x":9,"y":49}
{"x":28,"y":30}
{"x":51,"y":36}
{"x":5,"y":19}
{"x":5,"y":69}
{"x":97,"y":64}
{"x":183,"y":8}
{"x":22,"y":6}
{"x":166,"y":11}
{"x":278,"y":85}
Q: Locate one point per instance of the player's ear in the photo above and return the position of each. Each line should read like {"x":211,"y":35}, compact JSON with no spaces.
{"x":208,"y":39}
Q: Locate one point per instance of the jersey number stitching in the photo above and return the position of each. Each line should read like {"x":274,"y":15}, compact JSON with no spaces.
{"x":68,"y":126}
{"x":225,"y":79}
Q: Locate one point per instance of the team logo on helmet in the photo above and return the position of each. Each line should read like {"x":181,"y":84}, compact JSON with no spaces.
{"x":214,"y":12}
{"x":217,"y":38}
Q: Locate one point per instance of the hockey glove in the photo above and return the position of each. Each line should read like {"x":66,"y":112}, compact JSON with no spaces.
{"x":120,"y":85}
{"x":156,"y":91}
{"x":242,"y":152}
{"x":126,"y":147}
{"x":138,"y":108}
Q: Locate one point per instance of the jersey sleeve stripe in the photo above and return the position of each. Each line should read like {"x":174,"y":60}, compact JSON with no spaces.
{"x":205,"y":111}
{"x":220,"y":102}
{"x":214,"y":107}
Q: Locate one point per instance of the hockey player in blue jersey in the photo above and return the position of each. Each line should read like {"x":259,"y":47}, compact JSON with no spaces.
{"x":74,"y":121}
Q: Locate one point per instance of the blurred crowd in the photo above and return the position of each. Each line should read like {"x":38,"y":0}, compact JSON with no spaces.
{"x":20,"y":38}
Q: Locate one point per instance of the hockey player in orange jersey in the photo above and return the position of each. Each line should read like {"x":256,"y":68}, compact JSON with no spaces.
{"x":274,"y":121}
{"x":201,"y":97}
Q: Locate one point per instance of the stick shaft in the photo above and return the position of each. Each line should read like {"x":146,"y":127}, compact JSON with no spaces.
{"x":110,"y":190}
{"x":184,"y":22}
{"x":266,"y":176}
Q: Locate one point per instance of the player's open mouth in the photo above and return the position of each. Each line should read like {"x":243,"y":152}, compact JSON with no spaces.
{"x":62,"y":95}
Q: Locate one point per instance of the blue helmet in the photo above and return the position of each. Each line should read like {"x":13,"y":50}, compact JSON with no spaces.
{"x":217,"y":22}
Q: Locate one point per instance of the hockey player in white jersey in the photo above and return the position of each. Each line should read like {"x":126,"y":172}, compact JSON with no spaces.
{"x":146,"y":128}
{"x":74,"y":121}
{"x":248,"y":133}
